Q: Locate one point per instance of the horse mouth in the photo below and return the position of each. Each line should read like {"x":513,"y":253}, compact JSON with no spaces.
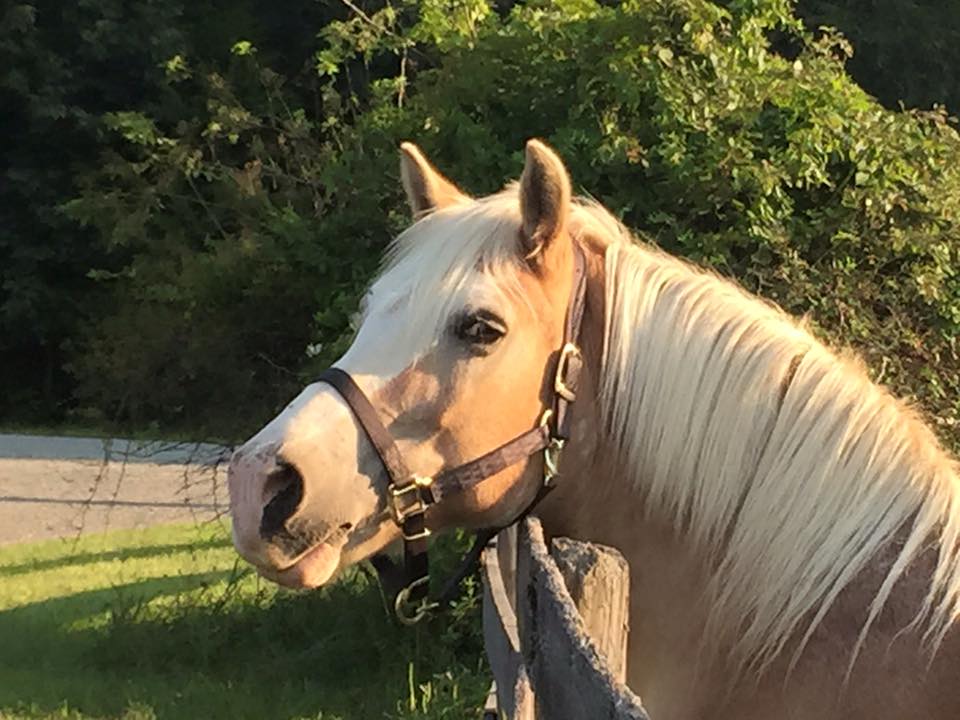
{"x":317,"y":564}
{"x":311,"y":570}
{"x":315,"y":559}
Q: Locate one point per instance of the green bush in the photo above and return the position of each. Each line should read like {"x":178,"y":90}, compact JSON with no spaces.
{"x":64,"y":67}
{"x":249,"y":227}
{"x":61,"y":65}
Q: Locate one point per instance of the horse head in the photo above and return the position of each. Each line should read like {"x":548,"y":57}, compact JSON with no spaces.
{"x":462,"y":349}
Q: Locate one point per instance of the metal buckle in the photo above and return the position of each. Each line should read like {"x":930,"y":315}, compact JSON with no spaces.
{"x":551,"y":453}
{"x":567,"y":353}
{"x":546,"y":418}
{"x":551,"y":460}
{"x":422,"y":535}
{"x":411,"y":615}
{"x":417,"y":506}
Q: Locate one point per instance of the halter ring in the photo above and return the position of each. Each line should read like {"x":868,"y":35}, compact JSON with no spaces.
{"x":411,"y":615}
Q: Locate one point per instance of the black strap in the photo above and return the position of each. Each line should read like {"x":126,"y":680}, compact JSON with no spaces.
{"x":416,"y":561}
{"x":463,"y":477}
{"x":365,"y":413}
{"x":570,"y":362}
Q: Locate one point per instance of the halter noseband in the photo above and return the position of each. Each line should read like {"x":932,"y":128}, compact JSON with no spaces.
{"x":410,"y":495}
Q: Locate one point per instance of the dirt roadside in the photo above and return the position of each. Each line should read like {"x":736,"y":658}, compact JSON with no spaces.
{"x":61,"y":487}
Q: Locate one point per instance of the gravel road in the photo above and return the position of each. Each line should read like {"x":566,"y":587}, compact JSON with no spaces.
{"x":61,"y":486}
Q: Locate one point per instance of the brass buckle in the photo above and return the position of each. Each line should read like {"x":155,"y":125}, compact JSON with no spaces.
{"x":400,"y":507}
{"x":412,"y":614}
{"x":560,"y":387}
{"x":551,"y":453}
{"x":546,"y":418}
{"x":551,"y":460}
{"x":422,"y":535}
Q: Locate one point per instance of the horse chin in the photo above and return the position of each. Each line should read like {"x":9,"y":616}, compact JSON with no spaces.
{"x":314,"y":568}
{"x":319,"y":565}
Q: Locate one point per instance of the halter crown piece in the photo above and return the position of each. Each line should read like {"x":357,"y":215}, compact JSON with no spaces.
{"x":410,"y":495}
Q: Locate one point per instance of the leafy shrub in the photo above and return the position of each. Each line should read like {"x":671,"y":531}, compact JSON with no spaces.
{"x":271,"y":204}
{"x":63,"y":67}
{"x":224,"y":249}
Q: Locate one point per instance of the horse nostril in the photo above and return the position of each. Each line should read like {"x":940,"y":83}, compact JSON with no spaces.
{"x":283,"y":493}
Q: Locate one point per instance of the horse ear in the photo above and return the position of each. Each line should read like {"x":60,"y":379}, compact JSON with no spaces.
{"x":544,"y":197}
{"x":426,"y":188}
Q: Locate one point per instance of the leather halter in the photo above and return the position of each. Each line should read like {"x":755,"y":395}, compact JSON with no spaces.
{"x":410,"y":495}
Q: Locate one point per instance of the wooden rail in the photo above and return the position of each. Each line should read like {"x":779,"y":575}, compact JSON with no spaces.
{"x":555,"y":625}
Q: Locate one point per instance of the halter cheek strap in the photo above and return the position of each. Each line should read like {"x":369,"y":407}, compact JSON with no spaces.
{"x":410,"y":495}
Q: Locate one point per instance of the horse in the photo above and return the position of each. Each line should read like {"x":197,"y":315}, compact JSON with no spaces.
{"x":792,"y":529}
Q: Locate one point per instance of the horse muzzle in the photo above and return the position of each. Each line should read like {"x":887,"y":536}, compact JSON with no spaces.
{"x":271,"y":527}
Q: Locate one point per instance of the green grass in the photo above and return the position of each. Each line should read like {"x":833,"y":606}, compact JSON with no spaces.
{"x":164,"y":623}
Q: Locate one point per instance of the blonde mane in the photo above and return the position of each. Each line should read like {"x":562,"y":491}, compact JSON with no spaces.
{"x":779,"y":459}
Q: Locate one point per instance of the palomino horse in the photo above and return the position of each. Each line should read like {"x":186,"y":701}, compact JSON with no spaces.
{"x":792,"y":530}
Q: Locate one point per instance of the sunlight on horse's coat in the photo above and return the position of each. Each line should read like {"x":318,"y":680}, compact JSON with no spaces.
{"x":793,"y":530}
{"x":793,"y":491}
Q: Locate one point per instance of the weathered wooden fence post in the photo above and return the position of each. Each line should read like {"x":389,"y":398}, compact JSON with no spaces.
{"x":513,"y":692}
{"x":555,"y":629}
{"x":598,"y":580}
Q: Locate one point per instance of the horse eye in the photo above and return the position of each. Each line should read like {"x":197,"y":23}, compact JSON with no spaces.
{"x":480,"y":329}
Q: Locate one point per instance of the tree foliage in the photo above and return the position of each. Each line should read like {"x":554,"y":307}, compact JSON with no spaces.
{"x":906,"y":50}
{"x":69,"y":74}
{"x":237,"y":222}
{"x":63,"y":65}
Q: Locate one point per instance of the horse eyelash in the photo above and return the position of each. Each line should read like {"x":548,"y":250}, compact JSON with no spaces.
{"x":468,"y":317}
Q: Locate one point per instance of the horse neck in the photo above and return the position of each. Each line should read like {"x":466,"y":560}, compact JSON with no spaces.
{"x":596,"y":501}
{"x":665,"y":537}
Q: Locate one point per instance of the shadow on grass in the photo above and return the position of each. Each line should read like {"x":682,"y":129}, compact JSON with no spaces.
{"x":236,"y":651}
{"x":139,"y":553}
